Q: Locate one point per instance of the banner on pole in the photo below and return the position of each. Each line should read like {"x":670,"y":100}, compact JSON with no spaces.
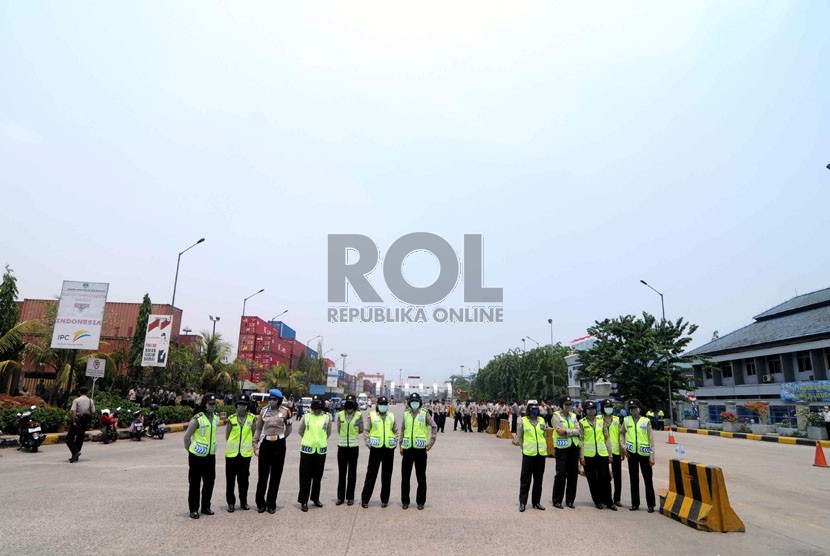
{"x":157,"y":341}
{"x":80,"y":315}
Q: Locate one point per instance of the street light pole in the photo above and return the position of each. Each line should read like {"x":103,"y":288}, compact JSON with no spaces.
{"x":523,"y":346}
{"x":215,"y":320}
{"x":245,"y":301}
{"x":178,"y":262}
{"x":553,"y":373}
{"x":278,"y":316}
{"x":668,"y":367}
{"x":532,"y":340}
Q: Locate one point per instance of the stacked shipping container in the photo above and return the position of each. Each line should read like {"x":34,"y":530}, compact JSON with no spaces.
{"x":260,"y":343}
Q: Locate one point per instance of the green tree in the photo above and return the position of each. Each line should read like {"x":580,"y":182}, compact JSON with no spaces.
{"x":9,"y":313}
{"x":641,"y":356}
{"x":282,"y":377}
{"x":539,"y":373}
{"x":140,"y":334}
{"x":216,"y":375}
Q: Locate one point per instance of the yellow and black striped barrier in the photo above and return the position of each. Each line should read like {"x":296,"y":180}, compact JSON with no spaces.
{"x":504,"y":430}
{"x":491,"y":426}
{"x":697,"y":497}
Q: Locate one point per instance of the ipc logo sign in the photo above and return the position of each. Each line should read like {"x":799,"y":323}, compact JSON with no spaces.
{"x":452,"y":268}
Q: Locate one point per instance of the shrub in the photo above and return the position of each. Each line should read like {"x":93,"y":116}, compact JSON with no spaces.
{"x":728,"y":416}
{"x":815,"y":419}
{"x":52,"y":419}
{"x":761,"y":409}
{"x":175,"y":414}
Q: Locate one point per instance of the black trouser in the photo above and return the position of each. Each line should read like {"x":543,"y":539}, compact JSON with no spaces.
{"x":533,"y":467}
{"x":457,"y":419}
{"x":481,"y":423}
{"x":442,"y":420}
{"x":311,"y":474}
{"x":827,"y":426}
{"x":599,"y":483}
{"x":347,"y":467}
{"x":637,"y":464}
{"x":513,"y":419}
{"x":271,"y":462}
{"x":466,"y":426}
{"x":418,"y":458}
{"x":201,"y":475}
{"x":237,"y":469}
{"x":378,"y":457}
{"x":616,"y":470}
{"x":567,"y":472}
{"x":75,"y":437}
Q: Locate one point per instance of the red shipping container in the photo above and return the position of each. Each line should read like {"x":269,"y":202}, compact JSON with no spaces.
{"x":281,"y":347}
{"x":253,"y":325}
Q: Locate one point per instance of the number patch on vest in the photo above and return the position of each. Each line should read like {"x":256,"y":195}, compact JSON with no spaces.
{"x":420,"y":443}
{"x":563,"y":442}
{"x":374,"y":442}
{"x":306,"y":449}
{"x":201,"y":449}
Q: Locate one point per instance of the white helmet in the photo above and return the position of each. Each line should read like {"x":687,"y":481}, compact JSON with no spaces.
{"x":105,"y":412}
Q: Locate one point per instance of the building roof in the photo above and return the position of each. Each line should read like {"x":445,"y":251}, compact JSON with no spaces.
{"x":804,"y":316}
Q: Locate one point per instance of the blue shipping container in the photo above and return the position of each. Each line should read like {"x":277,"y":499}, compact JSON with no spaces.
{"x":312,"y":354}
{"x":286,"y":332}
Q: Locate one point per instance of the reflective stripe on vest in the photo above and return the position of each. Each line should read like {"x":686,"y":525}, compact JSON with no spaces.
{"x":636,"y":436}
{"x":315,"y":440}
{"x":614,"y":434}
{"x":381,"y":435}
{"x":349,"y":429}
{"x":564,"y":441}
{"x":593,"y":437}
{"x":203,"y":441}
{"x":534,"y":442}
{"x":415,"y":430}
{"x":241,"y":439}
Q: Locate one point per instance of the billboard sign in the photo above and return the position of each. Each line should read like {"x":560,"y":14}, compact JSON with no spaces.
{"x":806,"y":391}
{"x":157,"y":341}
{"x":95,"y":367}
{"x":80,"y":315}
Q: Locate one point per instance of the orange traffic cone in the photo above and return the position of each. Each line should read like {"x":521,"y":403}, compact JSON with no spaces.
{"x":820,"y":461}
{"x":671,"y":437}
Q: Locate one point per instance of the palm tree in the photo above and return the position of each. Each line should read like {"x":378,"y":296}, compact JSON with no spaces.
{"x":216,"y":375}
{"x":13,"y":348}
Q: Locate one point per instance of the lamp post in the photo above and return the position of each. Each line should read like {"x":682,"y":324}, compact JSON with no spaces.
{"x":668,"y":368}
{"x":215,"y":320}
{"x":553,"y":373}
{"x":308,"y":343}
{"x":532,"y":340}
{"x":245,"y":301}
{"x":278,"y":316}
{"x":178,"y":261}
{"x":523,"y":345}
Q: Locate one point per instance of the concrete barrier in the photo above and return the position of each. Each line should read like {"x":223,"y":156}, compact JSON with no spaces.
{"x":697,"y":497}
{"x":504,"y":430}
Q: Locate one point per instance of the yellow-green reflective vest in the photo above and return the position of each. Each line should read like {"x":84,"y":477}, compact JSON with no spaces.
{"x":315,"y":440}
{"x":567,"y":423}
{"x":349,"y":429}
{"x":593,"y":437}
{"x":636,"y":436}
{"x":381,"y":435}
{"x":203,"y":441}
{"x":415,"y":430}
{"x":241,"y":440}
{"x":614,"y":434}
{"x":534,"y":442}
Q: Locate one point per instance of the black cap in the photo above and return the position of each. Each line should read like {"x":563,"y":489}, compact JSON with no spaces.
{"x":589,"y":405}
{"x":209,"y":398}
{"x":383,"y":401}
{"x":608,"y":403}
{"x":350,"y":398}
{"x":634,"y":403}
{"x":414,"y":397}
{"x":242,"y":398}
{"x":564,"y":399}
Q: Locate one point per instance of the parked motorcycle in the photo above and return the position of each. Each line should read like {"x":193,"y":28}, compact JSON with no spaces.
{"x":109,"y":422}
{"x":155,"y":426}
{"x":31,"y":434}
{"x":137,"y":425}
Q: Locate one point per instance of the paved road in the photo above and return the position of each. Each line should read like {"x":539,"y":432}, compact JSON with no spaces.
{"x":130,"y":498}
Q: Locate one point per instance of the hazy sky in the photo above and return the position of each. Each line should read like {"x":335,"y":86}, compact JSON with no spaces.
{"x":592,"y":146}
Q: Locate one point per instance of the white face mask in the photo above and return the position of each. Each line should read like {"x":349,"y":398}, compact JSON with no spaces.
{"x":383,"y":408}
{"x":415,"y":405}
{"x":609,"y":410}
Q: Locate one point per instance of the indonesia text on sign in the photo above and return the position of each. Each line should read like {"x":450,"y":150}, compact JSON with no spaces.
{"x":80,"y":315}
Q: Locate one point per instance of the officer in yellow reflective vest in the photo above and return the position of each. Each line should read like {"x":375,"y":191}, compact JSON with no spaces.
{"x":613,"y":428}
{"x":530,"y":435}
{"x":416,"y":439}
{"x":381,"y":439}
{"x":315,"y":429}
{"x":566,"y":441}
{"x":639,"y":443}
{"x":239,"y":449}
{"x":349,"y":425}
{"x":200,"y":443}
{"x":595,"y":457}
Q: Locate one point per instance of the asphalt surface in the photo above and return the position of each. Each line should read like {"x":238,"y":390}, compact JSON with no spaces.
{"x":131,"y":498}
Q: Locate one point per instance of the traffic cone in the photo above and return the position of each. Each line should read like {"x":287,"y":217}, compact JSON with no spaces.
{"x":820,"y":461}
{"x":671,"y":437}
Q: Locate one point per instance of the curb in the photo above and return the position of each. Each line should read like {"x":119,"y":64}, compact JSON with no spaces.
{"x":11,"y":441}
{"x":749,"y":436}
